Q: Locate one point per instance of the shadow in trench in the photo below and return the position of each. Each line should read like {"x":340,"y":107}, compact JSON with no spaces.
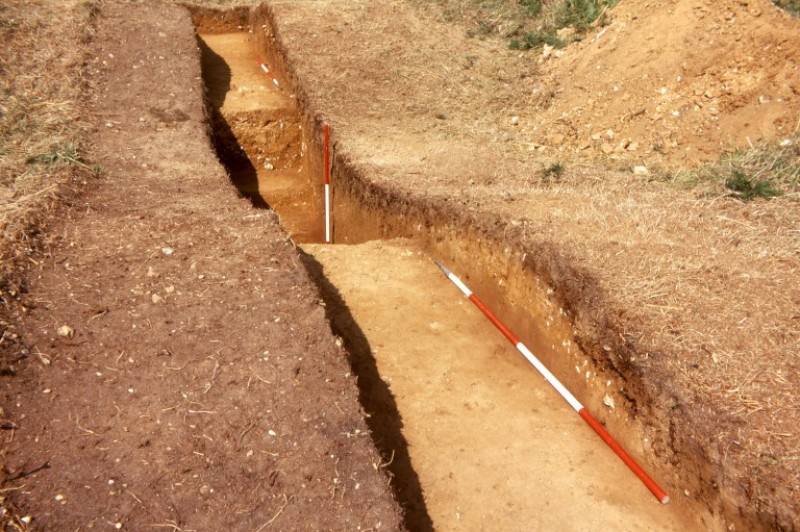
{"x":217,"y":81}
{"x":384,"y":422}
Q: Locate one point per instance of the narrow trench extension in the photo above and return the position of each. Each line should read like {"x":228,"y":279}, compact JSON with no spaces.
{"x":471,"y":436}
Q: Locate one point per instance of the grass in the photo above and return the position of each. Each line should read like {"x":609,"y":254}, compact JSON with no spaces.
{"x":552,"y":173}
{"x":765,"y":170}
{"x":532,"y":7}
{"x":530,"y":24}
{"x":41,"y":86}
{"x":791,"y":6}
{"x":746,"y":187}
{"x":536,"y":39}
{"x":581,"y":14}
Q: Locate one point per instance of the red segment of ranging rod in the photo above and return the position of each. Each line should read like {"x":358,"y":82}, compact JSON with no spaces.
{"x":327,"y":163}
{"x":573,"y":402}
{"x":266,"y":70}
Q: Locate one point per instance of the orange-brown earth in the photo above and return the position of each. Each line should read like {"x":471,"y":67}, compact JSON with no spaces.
{"x":672,"y":83}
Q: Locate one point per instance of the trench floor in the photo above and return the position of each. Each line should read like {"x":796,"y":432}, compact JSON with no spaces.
{"x":474,"y":438}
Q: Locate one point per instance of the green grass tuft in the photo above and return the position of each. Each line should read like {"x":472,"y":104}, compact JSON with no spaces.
{"x":532,"y":7}
{"x":552,"y":173}
{"x":747,"y":188}
{"x":535,"y":39}
{"x":65,"y":153}
{"x":764,"y":170}
{"x":790,"y":6}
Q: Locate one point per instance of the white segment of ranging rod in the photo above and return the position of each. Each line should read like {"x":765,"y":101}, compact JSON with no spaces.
{"x":549,"y":377}
{"x":453,"y":279}
{"x":651,"y":484}
{"x":327,"y":213}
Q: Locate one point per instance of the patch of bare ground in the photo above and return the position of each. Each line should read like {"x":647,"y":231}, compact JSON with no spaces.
{"x":172,"y":367}
{"x":693,"y":300}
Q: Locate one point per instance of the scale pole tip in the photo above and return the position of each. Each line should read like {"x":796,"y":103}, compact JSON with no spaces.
{"x":442,"y":267}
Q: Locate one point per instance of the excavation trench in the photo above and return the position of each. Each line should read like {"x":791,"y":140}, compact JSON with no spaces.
{"x":472,"y":437}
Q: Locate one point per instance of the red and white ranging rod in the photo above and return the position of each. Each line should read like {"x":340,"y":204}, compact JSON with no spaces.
{"x":267,"y":71}
{"x":554,"y":382}
{"x":327,"y":163}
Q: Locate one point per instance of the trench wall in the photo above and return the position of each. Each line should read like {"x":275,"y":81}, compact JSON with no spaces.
{"x":554,"y":307}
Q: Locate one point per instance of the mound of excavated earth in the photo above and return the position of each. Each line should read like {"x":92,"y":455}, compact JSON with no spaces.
{"x":673,"y":83}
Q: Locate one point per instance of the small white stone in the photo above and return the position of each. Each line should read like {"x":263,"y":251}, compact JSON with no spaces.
{"x":514,"y":120}
{"x":272,"y":432}
{"x":608,"y":401}
{"x":640,"y":170}
{"x":65,"y":331}
{"x":167,"y":251}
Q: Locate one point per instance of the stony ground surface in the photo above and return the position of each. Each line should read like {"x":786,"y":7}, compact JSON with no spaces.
{"x":673,"y":83}
{"x":177,"y":370}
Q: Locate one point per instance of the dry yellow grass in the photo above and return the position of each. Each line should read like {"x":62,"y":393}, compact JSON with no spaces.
{"x":40,"y":120}
{"x":42,"y":129}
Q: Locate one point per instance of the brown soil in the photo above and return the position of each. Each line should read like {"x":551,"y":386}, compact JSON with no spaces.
{"x":490,"y":442}
{"x":422,"y":407}
{"x":178,"y":371}
{"x":175,"y":368}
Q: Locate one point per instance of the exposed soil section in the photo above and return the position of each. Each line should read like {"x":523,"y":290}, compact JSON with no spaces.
{"x":258,"y":132}
{"x":651,"y":277}
{"x":443,"y":384}
{"x":493,"y":446}
{"x":178,"y":370}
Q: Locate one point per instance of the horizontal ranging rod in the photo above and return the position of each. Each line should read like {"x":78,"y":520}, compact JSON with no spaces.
{"x":555,"y":383}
